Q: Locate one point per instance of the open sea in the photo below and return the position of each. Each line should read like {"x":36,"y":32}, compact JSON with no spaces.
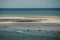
{"x":20,"y":32}
{"x":30,"y":12}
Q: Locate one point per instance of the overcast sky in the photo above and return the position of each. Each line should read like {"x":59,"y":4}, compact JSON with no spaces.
{"x":29,"y":3}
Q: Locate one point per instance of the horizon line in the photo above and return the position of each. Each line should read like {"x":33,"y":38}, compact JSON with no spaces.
{"x":34,"y":8}
{"x":1,"y":9}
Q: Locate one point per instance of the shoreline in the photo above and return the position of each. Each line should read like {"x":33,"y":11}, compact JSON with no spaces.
{"x":33,"y":16}
{"x":38,"y":20}
{"x":5,"y":23}
{"x":23,"y":17}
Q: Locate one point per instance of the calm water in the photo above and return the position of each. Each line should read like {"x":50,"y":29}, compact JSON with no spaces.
{"x":30,"y":12}
{"x":5,"y":35}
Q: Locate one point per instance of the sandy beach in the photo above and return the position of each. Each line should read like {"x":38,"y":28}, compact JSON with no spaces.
{"x":39,"y":20}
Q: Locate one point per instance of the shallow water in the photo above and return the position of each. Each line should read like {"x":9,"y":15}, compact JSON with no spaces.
{"x":19,"y":32}
{"x":33,"y":26}
{"x":6,"y":35}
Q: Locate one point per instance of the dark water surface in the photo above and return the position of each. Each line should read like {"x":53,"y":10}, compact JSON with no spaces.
{"x":19,"y":32}
{"x":30,"y":12}
{"x":5,"y":35}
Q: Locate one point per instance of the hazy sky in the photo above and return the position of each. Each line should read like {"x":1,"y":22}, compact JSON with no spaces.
{"x":29,"y":3}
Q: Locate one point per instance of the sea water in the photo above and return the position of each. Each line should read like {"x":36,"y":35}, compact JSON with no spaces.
{"x":29,"y":12}
{"x":19,"y":31}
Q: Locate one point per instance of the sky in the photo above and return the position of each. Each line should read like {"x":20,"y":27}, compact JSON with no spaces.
{"x":29,"y":3}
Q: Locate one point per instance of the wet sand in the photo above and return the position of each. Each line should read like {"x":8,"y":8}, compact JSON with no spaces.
{"x":39,"y":20}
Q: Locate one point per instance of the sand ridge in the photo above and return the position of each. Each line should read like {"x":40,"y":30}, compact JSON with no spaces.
{"x":40,"y":20}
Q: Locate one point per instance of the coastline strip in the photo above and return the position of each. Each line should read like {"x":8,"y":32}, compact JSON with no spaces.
{"x":1,"y":23}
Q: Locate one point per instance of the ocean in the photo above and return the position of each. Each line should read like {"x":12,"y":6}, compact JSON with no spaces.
{"x":30,"y":12}
{"x":23,"y":31}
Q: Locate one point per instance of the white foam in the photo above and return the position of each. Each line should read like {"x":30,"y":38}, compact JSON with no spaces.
{"x":20,"y":31}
